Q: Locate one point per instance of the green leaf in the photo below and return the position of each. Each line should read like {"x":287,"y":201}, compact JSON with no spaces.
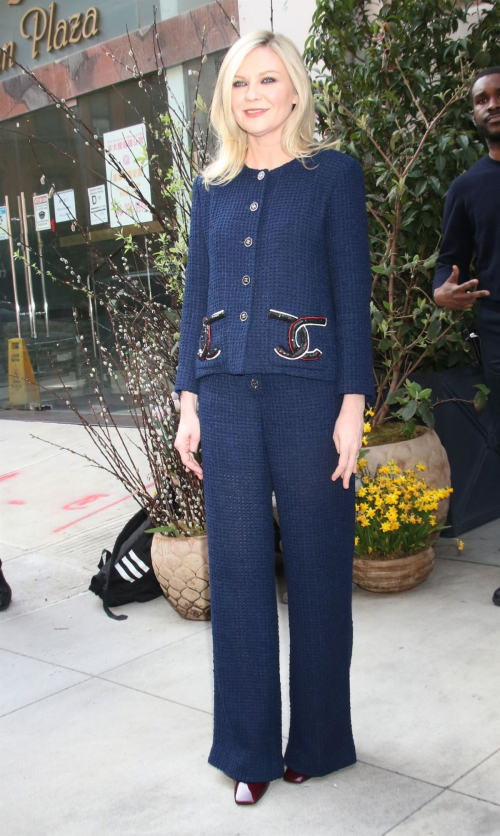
{"x":433,"y":330}
{"x":396,"y":396}
{"x":430,"y":262}
{"x":163,"y":529}
{"x":408,"y":411}
{"x":436,"y":185}
{"x":384,"y":344}
{"x":426,"y":415}
{"x":480,"y":401}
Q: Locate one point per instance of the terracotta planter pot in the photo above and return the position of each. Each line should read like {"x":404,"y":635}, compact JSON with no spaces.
{"x":181,"y":566}
{"x":426,"y":448}
{"x":393,"y":575}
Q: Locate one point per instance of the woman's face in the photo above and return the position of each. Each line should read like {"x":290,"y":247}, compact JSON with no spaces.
{"x":263,"y":93}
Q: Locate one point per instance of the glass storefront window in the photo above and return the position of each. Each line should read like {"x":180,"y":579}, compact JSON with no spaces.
{"x":37,"y":150}
{"x":40,"y":150}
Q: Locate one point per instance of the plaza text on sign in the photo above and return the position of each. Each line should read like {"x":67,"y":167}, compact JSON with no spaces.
{"x":46,"y":28}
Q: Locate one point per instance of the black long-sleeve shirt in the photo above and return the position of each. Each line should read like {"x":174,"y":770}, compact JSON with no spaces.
{"x":471,"y":228}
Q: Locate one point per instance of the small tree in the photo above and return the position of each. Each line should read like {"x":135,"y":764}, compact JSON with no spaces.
{"x":140,"y":356}
{"x":392,"y":85}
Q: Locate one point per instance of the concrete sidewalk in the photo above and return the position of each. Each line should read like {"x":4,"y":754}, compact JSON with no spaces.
{"x":106,"y":726}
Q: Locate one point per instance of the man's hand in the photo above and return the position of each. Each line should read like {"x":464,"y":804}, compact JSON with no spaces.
{"x":458,"y":297}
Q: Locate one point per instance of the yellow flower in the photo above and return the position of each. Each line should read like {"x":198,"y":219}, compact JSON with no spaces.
{"x":365,"y":441}
{"x":370,"y":412}
{"x":367,"y":428}
{"x":386,"y":526}
{"x":461,"y":545}
{"x":392,"y":515}
{"x":432,"y":519}
{"x":420,"y":466}
{"x":362,"y":492}
{"x":370,"y":513}
{"x":384,"y":469}
{"x":356,"y":541}
{"x":362,"y":462}
{"x":370,"y":549}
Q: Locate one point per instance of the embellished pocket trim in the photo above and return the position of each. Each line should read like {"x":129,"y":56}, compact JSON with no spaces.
{"x":206,"y":350}
{"x":298,"y":336}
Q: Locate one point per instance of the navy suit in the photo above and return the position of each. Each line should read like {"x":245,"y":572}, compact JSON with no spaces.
{"x":275,"y":330}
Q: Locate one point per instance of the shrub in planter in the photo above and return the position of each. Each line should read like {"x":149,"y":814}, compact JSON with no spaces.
{"x":395,"y":522}
{"x":391,"y":85}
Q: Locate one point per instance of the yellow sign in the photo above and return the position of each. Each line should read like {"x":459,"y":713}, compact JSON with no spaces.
{"x":23,"y":387}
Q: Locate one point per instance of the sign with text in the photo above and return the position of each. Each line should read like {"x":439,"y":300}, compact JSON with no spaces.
{"x":128,"y":147}
{"x":98,"y":205}
{"x":64,"y":206}
{"x":4,"y":235}
{"x":45,"y":29}
{"x":41,"y":211}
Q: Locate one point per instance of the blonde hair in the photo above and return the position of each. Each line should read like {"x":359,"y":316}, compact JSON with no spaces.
{"x":232,"y":141}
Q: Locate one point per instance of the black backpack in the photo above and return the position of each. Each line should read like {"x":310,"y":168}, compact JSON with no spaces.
{"x":126,"y":574}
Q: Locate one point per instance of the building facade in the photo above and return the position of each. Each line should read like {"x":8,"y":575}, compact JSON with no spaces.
{"x":88,"y":56}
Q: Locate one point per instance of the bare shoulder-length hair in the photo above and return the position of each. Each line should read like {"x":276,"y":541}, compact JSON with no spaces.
{"x":231,"y":141}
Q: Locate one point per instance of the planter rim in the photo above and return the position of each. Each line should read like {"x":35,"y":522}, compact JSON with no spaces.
{"x":370,"y":559}
{"x":427,"y":430}
{"x":165,"y":536}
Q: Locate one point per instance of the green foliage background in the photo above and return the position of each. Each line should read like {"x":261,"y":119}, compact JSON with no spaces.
{"x":392,"y":86}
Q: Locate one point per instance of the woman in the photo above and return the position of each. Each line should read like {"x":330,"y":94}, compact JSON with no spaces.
{"x":275,"y":354}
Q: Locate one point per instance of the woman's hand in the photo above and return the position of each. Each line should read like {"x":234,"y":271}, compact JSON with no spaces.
{"x":348,"y":435}
{"x":188,"y":433}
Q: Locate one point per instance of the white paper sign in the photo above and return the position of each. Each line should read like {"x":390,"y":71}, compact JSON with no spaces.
{"x":64,"y":206}
{"x":129,"y":147}
{"x":42,"y":211}
{"x":3,"y":224}
{"x":98,"y":206}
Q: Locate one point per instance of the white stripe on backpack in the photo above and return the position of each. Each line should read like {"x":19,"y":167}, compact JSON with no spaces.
{"x":121,"y":571}
{"x":144,"y":566}
{"x":130,"y":566}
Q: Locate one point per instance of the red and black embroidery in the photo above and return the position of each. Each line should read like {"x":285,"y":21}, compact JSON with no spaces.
{"x":298,"y":336}
{"x":206,"y":351}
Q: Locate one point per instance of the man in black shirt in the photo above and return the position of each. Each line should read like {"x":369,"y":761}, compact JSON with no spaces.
{"x":471,"y":227}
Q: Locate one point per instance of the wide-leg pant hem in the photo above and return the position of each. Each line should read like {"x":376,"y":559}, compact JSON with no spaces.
{"x":222,"y":762}
{"x":312,"y":773}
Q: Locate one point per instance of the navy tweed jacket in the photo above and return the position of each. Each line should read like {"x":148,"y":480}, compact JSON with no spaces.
{"x":278,"y":276}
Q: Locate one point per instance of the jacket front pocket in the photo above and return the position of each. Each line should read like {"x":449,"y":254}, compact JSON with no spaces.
{"x":207,"y":351}
{"x":298,"y":336}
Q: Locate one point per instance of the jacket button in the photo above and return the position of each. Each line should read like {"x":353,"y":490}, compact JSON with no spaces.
{"x":243,"y":316}
{"x":254,"y":383}
{"x":246,"y":280}
{"x":261,"y":175}
{"x":247,"y":242}
{"x":254,"y":206}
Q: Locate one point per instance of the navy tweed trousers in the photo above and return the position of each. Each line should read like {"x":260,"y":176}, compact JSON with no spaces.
{"x":261,"y":433}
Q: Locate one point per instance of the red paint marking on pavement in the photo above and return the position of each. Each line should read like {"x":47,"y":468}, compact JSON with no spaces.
{"x":16,"y":502}
{"x":97,"y":511}
{"x":8,"y":476}
{"x":77,"y":504}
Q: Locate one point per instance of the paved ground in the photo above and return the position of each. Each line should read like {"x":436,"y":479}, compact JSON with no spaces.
{"x":106,"y":726}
